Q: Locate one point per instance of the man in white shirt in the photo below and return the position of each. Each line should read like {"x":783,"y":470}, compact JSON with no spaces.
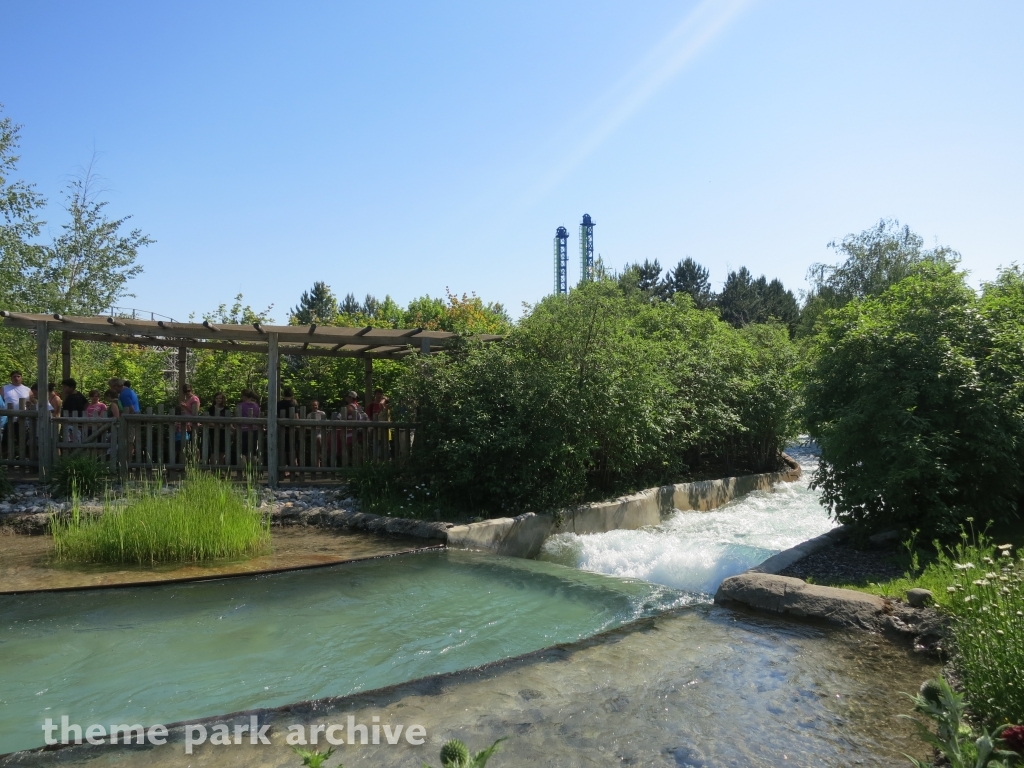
{"x":14,"y":393}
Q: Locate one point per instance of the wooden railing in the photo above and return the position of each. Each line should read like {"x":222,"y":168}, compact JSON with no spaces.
{"x":19,"y":446}
{"x":307,"y":448}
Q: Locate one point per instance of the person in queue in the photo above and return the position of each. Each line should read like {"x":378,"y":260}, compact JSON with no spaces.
{"x":247,"y":408}
{"x":126,"y":397}
{"x":14,"y":393}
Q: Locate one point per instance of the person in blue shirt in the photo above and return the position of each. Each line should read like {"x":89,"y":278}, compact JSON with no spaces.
{"x":126,"y":397}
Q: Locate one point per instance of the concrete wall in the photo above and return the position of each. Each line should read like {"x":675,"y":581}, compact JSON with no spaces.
{"x":524,"y":536}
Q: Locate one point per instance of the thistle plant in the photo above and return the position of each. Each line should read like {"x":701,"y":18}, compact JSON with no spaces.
{"x":455,"y":754}
{"x":314,"y":758}
{"x":954,"y":738}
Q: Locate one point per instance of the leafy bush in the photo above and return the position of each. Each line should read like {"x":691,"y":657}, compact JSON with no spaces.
{"x":915,"y":399}
{"x":594,"y":394}
{"x":78,"y":475}
{"x":205,"y":518}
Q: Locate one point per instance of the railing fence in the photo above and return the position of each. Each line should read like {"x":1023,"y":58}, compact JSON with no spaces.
{"x":310,"y":447}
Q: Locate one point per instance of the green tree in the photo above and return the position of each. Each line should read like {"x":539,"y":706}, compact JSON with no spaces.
{"x":19,"y":226}
{"x":87,"y":267}
{"x":370,"y":306}
{"x":317,"y":305}
{"x":349,"y":305}
{"x":645,"y":278}
{"x":745,"y":300}
{"x":906,"y":393}
{"x":691,"y":278}
{"x":231,"y":372}
{"x":597,"y":393}
{"x":874,"y":260}
{"x":740,"y":301}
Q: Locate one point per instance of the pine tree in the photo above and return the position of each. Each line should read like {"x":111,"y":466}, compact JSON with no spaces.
{"x":349,"y":305}
{"x":370,"y":306}
{"x":690,"y":277}
{"x":644,"y":277}
{"x":317,"y":305}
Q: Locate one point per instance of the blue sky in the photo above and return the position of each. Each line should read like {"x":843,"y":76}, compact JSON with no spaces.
{"x":404,"y":148}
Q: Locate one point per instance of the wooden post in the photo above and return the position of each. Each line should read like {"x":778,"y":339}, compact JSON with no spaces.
{"x":182,"y":367}
{"x":368,"y":382}
{"x":65,"y":356}
{"x":424,"y":346}
{"x":43,"y":413}
{"x":272,"y":362}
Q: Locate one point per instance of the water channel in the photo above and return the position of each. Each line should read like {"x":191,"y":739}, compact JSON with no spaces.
{"x":676,"y":682}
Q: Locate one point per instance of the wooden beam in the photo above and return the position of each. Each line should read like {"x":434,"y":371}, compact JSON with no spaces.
{"x":65,"y":356}
{"x":256,"y":332}
{"x":272,"y":362}
{"x":222,"y":346}
{"x":368,"y":382}
{"x":42,"y":379}
{"x":182,"y":368}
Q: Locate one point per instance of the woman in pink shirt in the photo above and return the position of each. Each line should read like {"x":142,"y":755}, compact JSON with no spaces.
{"x":96,"y":409}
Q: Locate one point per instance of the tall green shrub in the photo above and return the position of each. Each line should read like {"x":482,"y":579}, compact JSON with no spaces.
{"x":907,"y":393}
{"x":597,"y":393}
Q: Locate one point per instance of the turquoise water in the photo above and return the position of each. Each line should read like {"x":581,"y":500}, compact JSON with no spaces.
{"x":179,"y":652}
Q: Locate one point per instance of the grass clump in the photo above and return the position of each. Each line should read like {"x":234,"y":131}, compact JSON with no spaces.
{"x":6,"y":487}
{"x":205,"y":518}
{"x":78,"y":475}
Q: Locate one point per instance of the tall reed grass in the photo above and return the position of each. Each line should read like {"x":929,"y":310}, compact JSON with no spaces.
{"x":205,"y":518}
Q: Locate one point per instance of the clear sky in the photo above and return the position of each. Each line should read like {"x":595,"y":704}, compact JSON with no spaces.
{"x":404,"y":147}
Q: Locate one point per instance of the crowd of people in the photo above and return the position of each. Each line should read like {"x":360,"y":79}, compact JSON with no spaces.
{"x":120,"y":398}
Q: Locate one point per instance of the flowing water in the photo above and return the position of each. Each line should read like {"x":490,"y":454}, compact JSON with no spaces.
{"x":681,"y":684}
{"x":695,"y":551}
{"x":699,"y":688}
{"x":167,"y":653}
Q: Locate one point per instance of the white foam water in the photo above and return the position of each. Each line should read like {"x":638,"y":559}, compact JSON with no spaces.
{"x":695,"y":551}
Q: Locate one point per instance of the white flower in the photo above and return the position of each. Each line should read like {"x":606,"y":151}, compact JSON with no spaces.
{"x":981,"y":582}
{"x":951,"y":589}
{"x":963,"y":566}
{"x":990,"y":575}
{"x":988,"y":560}
{"x":1005,"y":547}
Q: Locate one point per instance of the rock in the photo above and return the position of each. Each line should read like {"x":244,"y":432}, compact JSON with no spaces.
{"x":924,"y":627}
{"x":785,"y":594}
{"x":884,"y":538}
{"x":919,"y":598}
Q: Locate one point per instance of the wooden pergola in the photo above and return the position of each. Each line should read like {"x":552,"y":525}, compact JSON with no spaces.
{"x":368,"y":343}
